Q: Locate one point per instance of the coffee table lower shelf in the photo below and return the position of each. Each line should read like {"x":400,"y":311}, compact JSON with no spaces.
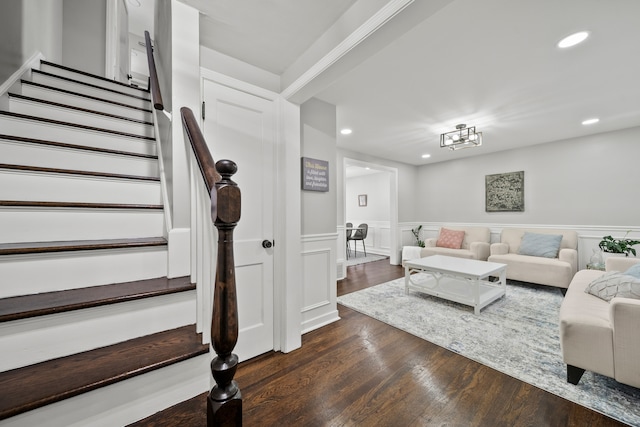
{"x":458,"y":290}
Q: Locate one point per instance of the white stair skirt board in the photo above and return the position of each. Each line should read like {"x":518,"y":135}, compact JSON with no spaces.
{"x":18,"y":224}
{"x":90,"y":90}
{"x":39,"y":109}
{"x":55,"y":187}
{"x":124,"y":402}
{"x":46,"y":156}
{"x":82,"y":102}
{"x":35,"y":273}
{"x":92,"y":80}
{"x":34,"y":340}
{"x":32,"y":128}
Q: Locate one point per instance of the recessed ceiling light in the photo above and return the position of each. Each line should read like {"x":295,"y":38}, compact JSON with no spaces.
{"x":426,"y":156}
{"x":590,"y":121}
{"x":346,"y":131}
{"x":573,"y":39}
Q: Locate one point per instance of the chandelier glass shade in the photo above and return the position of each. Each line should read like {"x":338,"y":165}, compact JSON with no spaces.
{"x":462,"y":137}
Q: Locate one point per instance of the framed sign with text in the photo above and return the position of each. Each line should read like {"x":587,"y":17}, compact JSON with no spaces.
{"x":315,"y":174}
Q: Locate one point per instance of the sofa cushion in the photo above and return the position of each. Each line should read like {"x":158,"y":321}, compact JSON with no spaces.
{"x":634,"y":271}
{"x":614,"y":284}
{"x":542,"y":245}
{"x":458,"y":253}
{"x":451,"y":239}
{"x":534,"y":269}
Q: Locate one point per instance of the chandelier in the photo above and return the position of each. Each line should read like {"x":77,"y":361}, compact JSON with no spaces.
{"x":462,"y":137}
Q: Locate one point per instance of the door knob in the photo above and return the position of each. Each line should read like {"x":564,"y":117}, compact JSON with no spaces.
{"x":267,"y":244}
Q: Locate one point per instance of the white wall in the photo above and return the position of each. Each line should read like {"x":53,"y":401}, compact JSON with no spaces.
{"x":27,"y":27}
{"x":318,"y":121}
{"x":376,"y":187}
{"x":84,"y":35}
{"x":582,"y":181}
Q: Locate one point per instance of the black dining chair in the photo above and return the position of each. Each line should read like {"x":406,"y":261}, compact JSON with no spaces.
{"x":360,"y":234}
{"x":348,"y":234}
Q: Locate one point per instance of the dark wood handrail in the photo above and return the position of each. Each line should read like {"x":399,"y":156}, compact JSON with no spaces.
{"x":224,"y":403}
{"x":154,"y":84}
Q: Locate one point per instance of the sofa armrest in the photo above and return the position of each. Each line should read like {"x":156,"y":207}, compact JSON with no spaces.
{"x":480,"y":250}
{"x":499,"y":248}
{"x":430,"y":243}
{"x":625,"y":318}
{"x":570,"y":256}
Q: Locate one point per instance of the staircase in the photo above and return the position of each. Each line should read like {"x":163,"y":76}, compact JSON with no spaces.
{"x":92,"y":331}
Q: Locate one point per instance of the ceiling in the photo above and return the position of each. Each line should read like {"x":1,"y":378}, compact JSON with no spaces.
{"x":492,"y":64}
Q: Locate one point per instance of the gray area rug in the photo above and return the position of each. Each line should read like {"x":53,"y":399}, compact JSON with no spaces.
{"x":517,"y":335}
{"x":361,"y":259}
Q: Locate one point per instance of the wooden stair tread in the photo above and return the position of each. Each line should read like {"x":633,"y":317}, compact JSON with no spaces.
{"x":70,"y":92}
{"x":78,"y":245}
{"x":31,"y":387}
{"x":71,"y":107}
{"x":77,"y":172}
{"x":75,"y":125}
{"x":26,"y":306}
{"x":189,"y":413}
{"x":75,"y":146}
{"x":106,"y":89}
{"x":80,"y":205}
{"x":95,"y":76}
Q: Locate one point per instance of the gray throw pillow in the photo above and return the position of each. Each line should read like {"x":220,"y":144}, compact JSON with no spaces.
{"x":614,"y":284}
{"x":542,"y":245}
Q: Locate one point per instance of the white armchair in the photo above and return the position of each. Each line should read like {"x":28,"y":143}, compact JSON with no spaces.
{"x":600,"y":336}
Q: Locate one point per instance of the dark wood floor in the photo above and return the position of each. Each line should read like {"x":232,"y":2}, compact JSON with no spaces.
{"x":361,"y":372}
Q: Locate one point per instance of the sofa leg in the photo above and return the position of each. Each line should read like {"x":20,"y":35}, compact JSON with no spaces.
{"x":574,"y":374}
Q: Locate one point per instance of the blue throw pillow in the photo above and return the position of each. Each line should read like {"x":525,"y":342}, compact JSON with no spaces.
{"x":634,"y":271}
{"x":542,"y":245}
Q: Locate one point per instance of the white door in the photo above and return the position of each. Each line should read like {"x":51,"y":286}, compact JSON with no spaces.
{"x":241,"y":127}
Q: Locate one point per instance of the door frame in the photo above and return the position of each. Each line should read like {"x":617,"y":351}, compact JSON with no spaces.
{"x":113,"y":39}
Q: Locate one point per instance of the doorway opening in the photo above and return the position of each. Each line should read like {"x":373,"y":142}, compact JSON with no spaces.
{"x":379,"y":184}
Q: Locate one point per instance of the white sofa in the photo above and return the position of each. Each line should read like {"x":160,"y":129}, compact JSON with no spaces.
{"x":537,"y":269}
{"x":600,"y":336}
{"x":475,"y":244}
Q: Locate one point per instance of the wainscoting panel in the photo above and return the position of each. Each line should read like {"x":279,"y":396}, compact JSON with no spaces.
{"x":319,"y":287}
{"x":378,"y":239}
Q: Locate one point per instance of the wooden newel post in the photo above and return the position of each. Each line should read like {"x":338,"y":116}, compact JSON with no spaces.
{"x":224,"y":404}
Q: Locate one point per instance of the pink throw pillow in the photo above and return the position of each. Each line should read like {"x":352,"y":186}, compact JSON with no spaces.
{"x":450,"y":239}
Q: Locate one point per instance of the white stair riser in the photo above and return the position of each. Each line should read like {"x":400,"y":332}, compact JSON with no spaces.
{"x":37,"y":339}
{"x":71,"y":135}
{"x":35,"y":273}
{"x":48,"y":225}
{"x":89,"y":90}
{"x":32,"y":108}
{"x":50,"y":187}
{"x":82,"y":102}
{"x":124,"y":402}
{"x":22,"y":153}
{"x":92,"y":80}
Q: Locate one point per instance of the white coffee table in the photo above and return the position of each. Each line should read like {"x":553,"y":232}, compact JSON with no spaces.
{"x":457,"y":279}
